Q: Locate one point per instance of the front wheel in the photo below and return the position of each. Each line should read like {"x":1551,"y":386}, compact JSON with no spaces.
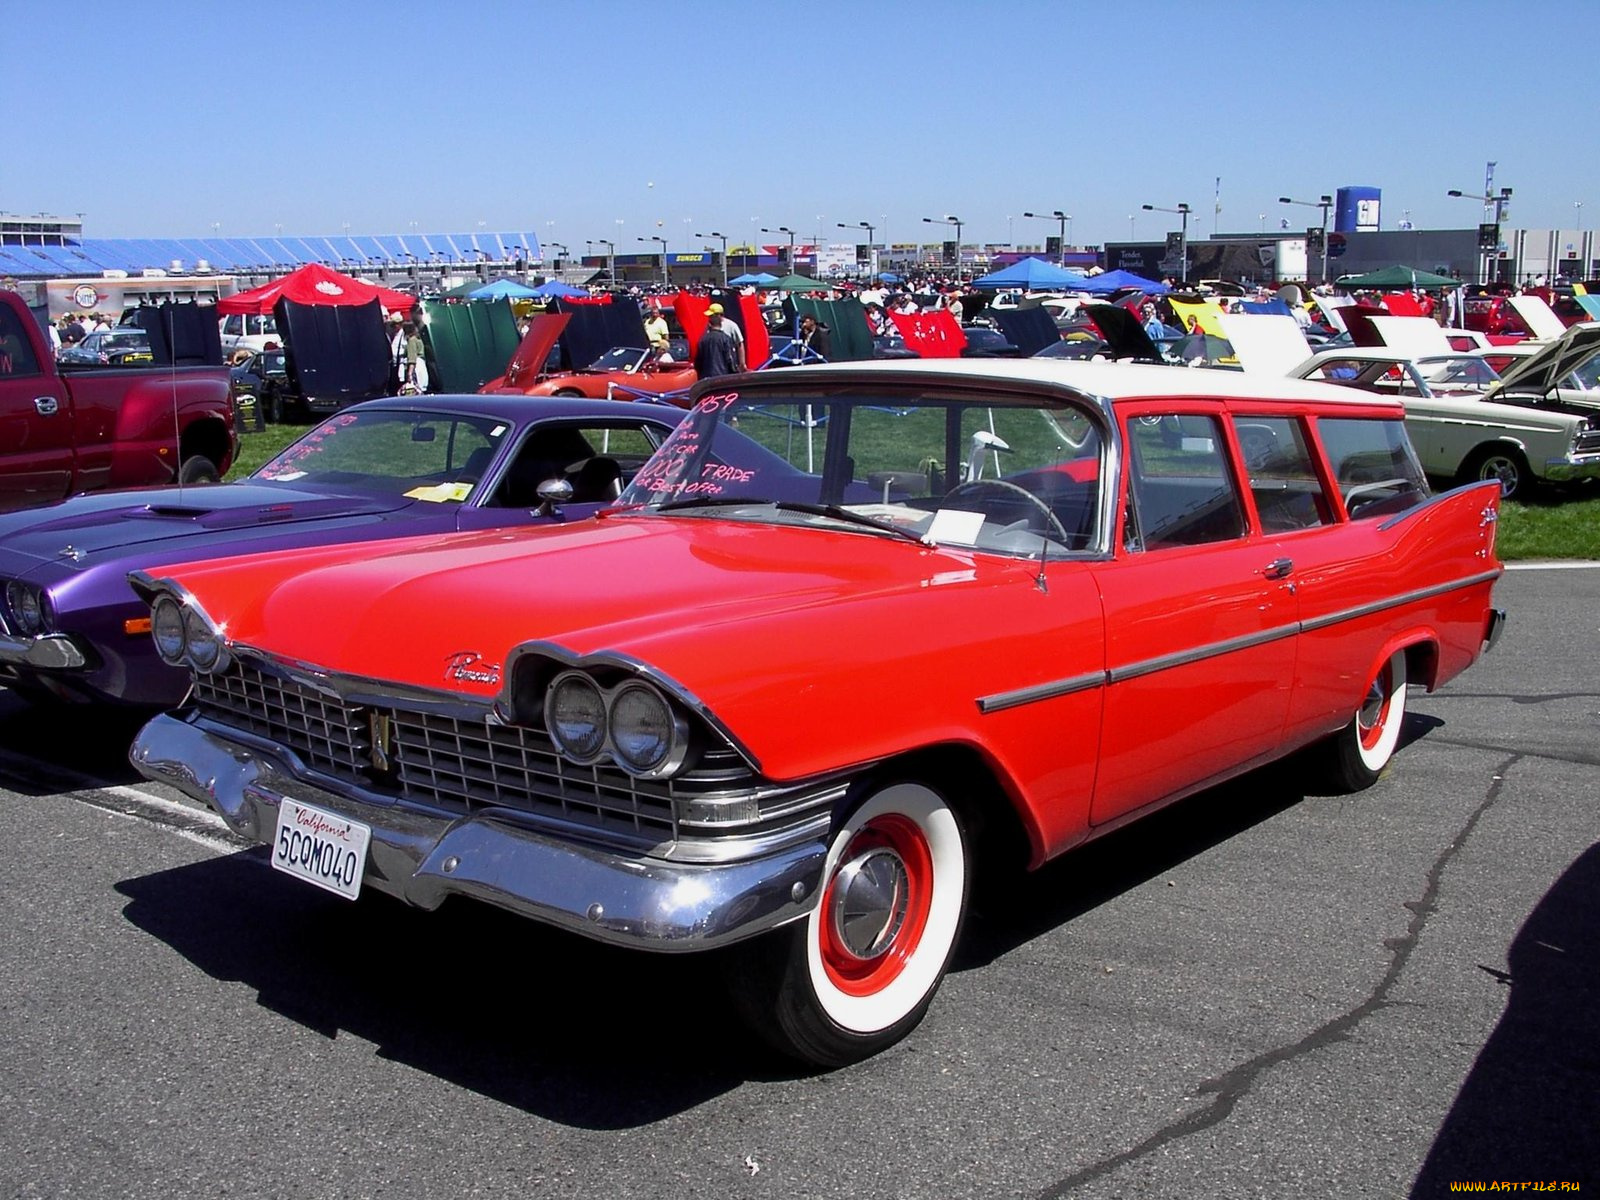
{"x":858,"y":973}
{"x":1507,"y":464}
{"x":1361,"y":750}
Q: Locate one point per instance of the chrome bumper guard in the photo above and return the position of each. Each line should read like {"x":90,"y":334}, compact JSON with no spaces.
{"x":51,"y":652}
{"x":420,"y":857}
{"x":1495,"y":626}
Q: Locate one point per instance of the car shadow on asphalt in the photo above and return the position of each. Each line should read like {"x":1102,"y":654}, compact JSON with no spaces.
{"x":577,"y":1032}
{"x":1530,"y":1107}
{"x":1011,"y":911}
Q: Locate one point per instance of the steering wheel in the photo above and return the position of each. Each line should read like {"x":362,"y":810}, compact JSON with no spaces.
{"x":973,"y":485}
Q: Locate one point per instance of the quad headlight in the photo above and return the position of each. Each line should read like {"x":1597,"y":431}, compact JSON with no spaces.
{"x":28,"y":607}
{"x":184,"y":637}
{"x":633,"y":722}
{"x":575,"y":714}
{"x":166,"y":627}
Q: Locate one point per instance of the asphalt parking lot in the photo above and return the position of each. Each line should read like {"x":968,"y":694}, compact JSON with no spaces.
{"x":1262,"y":991}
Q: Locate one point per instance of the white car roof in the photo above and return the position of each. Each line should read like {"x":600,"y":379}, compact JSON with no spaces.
{"x":1108,"y":382}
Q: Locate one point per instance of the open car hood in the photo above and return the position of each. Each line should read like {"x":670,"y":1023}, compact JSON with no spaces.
{"x":532,"y":351}
{"x":86,"y":529}
{"x":1539,"y":372}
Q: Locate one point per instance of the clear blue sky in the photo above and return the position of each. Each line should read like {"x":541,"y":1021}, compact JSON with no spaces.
{"x":565,"y":117}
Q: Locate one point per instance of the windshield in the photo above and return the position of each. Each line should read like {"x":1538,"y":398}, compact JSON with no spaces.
{"x":618,"y":358}
{"x":1008,"y":474}
{"x":425,"y":456}
{"x":1465,"y":372}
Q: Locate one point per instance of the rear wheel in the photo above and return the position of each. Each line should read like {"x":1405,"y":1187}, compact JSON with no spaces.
{"x":1505,"y":463}
{"x":1361,"y":750}
{"x":568,"y":393}
{"x":859,"y":972}
{"x":197,"y":468}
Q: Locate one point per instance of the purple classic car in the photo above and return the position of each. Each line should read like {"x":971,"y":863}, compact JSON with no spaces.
{"x":72,"y":629}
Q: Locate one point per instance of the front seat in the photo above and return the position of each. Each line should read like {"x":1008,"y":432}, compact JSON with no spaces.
{"x":597,"y":481}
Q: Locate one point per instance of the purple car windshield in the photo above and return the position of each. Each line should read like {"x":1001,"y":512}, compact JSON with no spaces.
{"x":430,"y":455}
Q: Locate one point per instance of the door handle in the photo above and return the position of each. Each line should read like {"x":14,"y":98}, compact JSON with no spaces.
{"x":1279,"y":568}
{"x":45,"y":406}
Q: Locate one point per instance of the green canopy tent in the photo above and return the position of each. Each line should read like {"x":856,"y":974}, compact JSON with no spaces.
{"x":799,"y":283}
{"x":1397,"y":277}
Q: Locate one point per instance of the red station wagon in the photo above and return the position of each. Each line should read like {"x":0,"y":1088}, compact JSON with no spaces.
{"x":954,"y":612}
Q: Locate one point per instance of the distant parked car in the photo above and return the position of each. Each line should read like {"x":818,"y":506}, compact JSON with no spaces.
{"x":121,"y":347}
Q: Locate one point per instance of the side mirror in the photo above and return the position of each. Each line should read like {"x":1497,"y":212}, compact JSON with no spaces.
{"x":553,"y":492}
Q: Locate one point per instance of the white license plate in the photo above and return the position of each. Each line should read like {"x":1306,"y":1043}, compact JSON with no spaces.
{"x":321,"y":848}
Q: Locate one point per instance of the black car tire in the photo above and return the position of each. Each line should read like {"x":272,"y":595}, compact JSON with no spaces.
{"x":197,"y":468}
{"x":1505,"y":463}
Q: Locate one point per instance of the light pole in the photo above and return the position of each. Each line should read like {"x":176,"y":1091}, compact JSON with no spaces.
{"x":1131,"y":217}
{"x":1324,"y":203}
{"x":564,"y":252}
{"x":785,"y":229}
{"x":724,"y":237}
{"x":1061,"y":218}
{"x":662,"y":242}
{"x":872,"y":253}
{"x":611,"y":258}
{"x":1183,"y":235}
{"x":1499,"y":203}
{"x":947,"y":219}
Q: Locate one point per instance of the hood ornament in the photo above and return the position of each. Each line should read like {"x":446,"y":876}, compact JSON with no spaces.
{"x":71,"y":553}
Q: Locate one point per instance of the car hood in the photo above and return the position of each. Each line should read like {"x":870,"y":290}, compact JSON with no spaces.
{"x":87,"y":529}
{"x":745,"y":618}
{"x":1539,"y":372}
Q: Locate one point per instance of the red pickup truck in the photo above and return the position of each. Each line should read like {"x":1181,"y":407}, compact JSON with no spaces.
{"x":83,"y":429}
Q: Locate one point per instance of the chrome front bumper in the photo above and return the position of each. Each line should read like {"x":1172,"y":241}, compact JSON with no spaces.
{"x":496,"y":856}
{"x":1573,"y":466}
{"x":51,"y":652}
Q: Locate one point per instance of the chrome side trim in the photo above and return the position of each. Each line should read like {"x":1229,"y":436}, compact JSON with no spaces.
{"x":1183,"y":658}
{"x":1364,"y":610}
{"x":1000,"y":701}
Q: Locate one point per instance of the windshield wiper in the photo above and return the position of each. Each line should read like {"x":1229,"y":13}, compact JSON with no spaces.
{"x":839,"y":513}
{"x":708,"y":502}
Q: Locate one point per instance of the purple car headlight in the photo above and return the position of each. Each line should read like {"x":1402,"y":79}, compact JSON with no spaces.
{"x":27,"y":606}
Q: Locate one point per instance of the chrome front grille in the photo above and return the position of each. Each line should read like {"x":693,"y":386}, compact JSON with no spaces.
{"x":327,"y":734}
{"x":461,"y":765}
{"x":1588,"y":441}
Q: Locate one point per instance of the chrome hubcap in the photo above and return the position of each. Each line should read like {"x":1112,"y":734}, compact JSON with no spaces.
{"x":1372,"y":707}
{"x":869,"y":903}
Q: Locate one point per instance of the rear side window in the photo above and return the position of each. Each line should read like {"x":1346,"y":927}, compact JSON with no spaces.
{"x":1182,"y":492}
{"x":16,"y":353}
{"x":1374,"y":466}
{"x":1283,"y":475}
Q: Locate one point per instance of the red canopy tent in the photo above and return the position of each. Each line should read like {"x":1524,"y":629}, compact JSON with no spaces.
{"x":314,"y":284}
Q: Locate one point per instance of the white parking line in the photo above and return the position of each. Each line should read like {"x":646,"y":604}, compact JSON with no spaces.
{"x":1553,"y":566}
{"x":189,"y":821}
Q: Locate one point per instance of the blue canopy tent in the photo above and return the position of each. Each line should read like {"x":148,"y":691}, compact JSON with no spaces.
{"x":759,"y":278}
{"x":502,"y":289}
{"x":1032,"y":274}
{"x":554,"y":287}
{"x":1113,"y":281}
